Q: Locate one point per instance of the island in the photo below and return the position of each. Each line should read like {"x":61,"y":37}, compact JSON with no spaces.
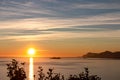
{"x":55,"y":58}
{"x":105,"y":54}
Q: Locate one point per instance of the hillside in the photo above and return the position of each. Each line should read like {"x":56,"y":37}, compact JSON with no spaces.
{"x":106,"y":54}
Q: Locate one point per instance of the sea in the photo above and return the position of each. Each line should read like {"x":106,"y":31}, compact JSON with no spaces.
{"x":107,"y":69}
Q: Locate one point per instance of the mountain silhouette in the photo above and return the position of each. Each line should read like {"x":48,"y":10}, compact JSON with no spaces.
{"x":105,"y":54}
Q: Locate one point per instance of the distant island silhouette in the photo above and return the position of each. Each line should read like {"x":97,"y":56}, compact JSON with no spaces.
{"x":55,"y":58}
{"x":105,"y":54}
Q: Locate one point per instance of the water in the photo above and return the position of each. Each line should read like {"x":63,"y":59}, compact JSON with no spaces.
{"x":105,"y":68}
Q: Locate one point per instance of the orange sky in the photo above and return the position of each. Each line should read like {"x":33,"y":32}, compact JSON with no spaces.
{"x":62,"y":48}
{"x":55,"y":28}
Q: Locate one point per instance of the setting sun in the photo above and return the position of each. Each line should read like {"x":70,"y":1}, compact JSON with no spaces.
{"x":31,"y":51}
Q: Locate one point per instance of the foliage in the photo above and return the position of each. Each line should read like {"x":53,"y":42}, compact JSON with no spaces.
{"x":57,"y":76}
{"x":50,"y":75}
{"x":16,"y":70}
{"x":84,"y":76}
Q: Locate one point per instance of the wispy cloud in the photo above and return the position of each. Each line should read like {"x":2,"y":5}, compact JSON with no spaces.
{"x":97,"y":6}
{"x":55,"y":8}
{"x":56,"y":19}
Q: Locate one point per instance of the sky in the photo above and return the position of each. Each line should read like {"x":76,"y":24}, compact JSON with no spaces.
{"x":65,"y":28}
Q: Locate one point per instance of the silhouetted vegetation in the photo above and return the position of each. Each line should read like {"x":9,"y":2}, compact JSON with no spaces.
{"x":106,"y":54}
{"x":57,"y":76}
{"x":84,"y":76}
{"x":50,"y":75}
{"x":16,"y":72}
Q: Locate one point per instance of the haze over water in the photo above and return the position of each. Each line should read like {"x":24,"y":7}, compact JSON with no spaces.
{"x":107,"y":69}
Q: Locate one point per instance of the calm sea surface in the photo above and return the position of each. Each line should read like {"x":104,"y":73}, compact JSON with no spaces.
{"x":107,"y":69}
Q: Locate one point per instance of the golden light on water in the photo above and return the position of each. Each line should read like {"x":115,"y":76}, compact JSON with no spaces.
{"x":31,"y":70}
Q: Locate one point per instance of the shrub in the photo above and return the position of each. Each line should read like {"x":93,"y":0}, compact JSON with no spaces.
{"x":84,"y":76}
{"x":57,"y":76}
{"x":16,"y":71}
{"x":50,"y":75}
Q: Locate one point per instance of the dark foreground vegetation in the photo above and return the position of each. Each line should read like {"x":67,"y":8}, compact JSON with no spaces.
{"x":16,"y":72}
{"x":106,"y":54}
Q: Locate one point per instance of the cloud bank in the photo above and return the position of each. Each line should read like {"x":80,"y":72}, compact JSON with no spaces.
{"x":59,"y":19}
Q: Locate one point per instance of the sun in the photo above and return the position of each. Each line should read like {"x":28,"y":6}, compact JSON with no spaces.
{"x":31,"y":51}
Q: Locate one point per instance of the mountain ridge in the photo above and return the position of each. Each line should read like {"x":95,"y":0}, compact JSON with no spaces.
{"x":105,"y":54}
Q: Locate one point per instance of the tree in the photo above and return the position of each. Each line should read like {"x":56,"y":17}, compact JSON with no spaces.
{"x":16,"y":70}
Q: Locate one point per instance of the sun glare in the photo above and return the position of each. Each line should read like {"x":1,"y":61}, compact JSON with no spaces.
{"x":31,"y":51}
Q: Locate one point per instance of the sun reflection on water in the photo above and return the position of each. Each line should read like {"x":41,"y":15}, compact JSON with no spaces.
{"x":31,"y":71}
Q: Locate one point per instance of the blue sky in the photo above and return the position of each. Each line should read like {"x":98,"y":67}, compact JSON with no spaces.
{"x":39,"y":20}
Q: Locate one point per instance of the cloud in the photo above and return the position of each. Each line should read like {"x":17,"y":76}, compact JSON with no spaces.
{"x":96,"y":6}
{"x":64,"y":35}
{"x":48,"y":23}
{"x":60,"y":33}
{"x":39,"y":32}
{"x":21,"y":32}
{"x":22,"y":10}
{"x":56,"y":19}
{"x":55,"y":8}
